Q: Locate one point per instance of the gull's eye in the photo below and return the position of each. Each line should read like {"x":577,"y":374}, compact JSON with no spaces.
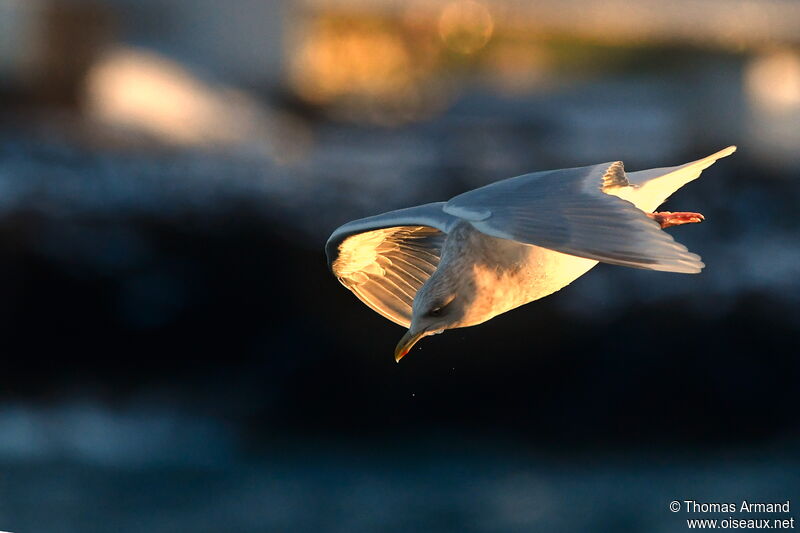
{"x":439,"y":309}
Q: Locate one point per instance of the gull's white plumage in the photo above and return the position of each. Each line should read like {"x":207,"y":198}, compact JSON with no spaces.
{"x":511,"y":242}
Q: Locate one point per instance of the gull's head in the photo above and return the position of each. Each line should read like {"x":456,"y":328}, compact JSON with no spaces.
{"x":437,"y":307}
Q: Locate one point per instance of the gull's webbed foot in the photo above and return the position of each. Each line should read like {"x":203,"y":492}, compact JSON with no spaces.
{"x":668,"y":219}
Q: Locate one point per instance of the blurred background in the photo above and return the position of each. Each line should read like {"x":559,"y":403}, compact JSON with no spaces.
{"x":177,"y":357}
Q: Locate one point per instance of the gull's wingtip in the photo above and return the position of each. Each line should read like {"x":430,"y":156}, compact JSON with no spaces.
{"x":713,"y":158}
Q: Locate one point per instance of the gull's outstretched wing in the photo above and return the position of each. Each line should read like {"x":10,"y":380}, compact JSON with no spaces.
{"x":385,"y":259}
{"x":568,"y":211}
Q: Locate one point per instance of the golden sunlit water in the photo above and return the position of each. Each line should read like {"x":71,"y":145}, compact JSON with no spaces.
{"x":773,"y":80}
{"x":465,"y":26}
{"x":140,"y":89}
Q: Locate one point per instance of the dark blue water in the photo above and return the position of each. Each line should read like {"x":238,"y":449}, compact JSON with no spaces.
{"x":86,"y":468}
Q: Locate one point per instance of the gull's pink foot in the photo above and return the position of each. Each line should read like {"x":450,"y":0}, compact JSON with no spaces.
{"x":667,"y":218}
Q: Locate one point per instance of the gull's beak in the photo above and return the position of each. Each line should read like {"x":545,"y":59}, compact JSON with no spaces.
{"x":406,"y":343}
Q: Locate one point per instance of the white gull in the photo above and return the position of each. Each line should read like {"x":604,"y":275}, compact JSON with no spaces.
{"x":484,"y":252}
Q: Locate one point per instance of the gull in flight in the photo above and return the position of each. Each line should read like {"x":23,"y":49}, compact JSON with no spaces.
{"x":462,"y":262}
